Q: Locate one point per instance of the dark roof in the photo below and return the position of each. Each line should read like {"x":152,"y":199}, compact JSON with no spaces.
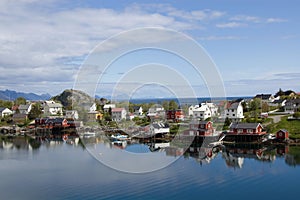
{"x":244,"y":125}
{"x":278,"y":101}
{"x":1,"y":109}
{"x":283,"y":130}
{"x":263,"y":96}
{"x":136,"y":107}
{"x":54,"y":120}
{"x":234,"y":105}
{"x":160,"y":125}
{"x":24,"y":107}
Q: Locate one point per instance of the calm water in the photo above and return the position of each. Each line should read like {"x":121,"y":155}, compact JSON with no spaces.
{"x":64,"y":171}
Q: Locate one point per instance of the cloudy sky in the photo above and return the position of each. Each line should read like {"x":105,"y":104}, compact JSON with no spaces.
{"x":254,"y":43}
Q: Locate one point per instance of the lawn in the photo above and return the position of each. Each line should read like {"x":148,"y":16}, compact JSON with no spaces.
{"x":293,"y":126}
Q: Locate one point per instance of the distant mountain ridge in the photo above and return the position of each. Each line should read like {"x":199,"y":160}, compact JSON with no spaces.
{"x":12,"y":95}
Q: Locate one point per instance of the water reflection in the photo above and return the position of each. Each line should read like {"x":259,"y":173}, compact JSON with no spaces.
{"x":234,"y":155}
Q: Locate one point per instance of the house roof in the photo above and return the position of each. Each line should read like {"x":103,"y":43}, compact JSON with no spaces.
{"x":263,"y":96}
{"x":244,"y":125}
{"x":55,"y":120}
{"x":234,"y":105}
{"x":54,"y":105}
{"x":24,"y":107}
{"x":106,"y":106}
{"x":117,"y":109}
{"x":279,"y":101}
{"x":1,"y":109}
{"x":283,"y":130}
{"x":160,"y":125}
{"x":136,"y":107}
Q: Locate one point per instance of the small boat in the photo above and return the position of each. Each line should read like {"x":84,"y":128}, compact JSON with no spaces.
{"x":119,"y":137}
{"x":89,"y":134}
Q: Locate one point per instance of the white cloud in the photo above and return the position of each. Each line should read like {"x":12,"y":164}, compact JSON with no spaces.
{"x":231,"y":25}
{"x":255,"y":19}
{"x":275,"y":20}
{"x":213,"y":37}
{"x":31,"y":36}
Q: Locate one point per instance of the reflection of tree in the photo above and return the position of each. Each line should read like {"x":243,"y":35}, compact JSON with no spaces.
{"x":35,"y":144}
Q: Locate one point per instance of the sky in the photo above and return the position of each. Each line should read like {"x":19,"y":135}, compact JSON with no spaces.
{"x":254,"y":44}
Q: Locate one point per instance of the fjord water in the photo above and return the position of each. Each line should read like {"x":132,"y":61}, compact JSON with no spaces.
{"x":63,"y":171}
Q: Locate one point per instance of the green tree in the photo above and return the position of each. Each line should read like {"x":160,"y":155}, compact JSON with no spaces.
{"x":6,"y":104}
{"x":173,"y":105}
{"x":254,"y":107}
{"x":35,"y":111}
{"x":20,"y":101}
{"x":265,"y":107}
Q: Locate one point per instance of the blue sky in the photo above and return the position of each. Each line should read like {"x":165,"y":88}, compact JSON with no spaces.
{"x":254,"y":43}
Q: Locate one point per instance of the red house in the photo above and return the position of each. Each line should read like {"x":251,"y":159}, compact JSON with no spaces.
{"x":201,"y":128}
{"x":245,"y":132}
{"x":175,"y":115}
{"x":282,"y":134}
{"x":246,"y":129}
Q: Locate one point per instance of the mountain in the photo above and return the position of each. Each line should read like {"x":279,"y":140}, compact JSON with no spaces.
{"x":12,"y":95}
{"x":73,"y":98}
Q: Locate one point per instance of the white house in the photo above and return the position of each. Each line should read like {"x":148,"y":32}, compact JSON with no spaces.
{"x":106,"y":107}
{"x":234,"y":112}
{"x":156,"y":111}
{"x":292,"y":105}
{"x":25,"y":109}
{"x":118,"y":114}
{"x":280,"y":103}
{"x":5,"y":112}
{"x":159,"y":127}
{"x":53,"y":108}
{"x":203,"y":111}
{"x":138,"y":110}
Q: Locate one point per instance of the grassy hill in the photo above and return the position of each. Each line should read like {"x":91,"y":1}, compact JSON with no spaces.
{"x":293,"y":126}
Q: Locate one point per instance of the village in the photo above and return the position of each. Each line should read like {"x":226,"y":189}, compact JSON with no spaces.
{"x":242,"y":120}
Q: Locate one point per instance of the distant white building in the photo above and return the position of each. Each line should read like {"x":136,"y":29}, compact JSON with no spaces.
{"x":234,"y":112}
{"x":52,"y":108}
{"x":292,"y":105}
{"x":156,"y":111}
{"x":25,"y":109}
{"x":159,"y":127}
{"x":118,"y":114}
{"x":5,"y":112}
{"x":138,"y":110}
{"x":203,"y":110}
{"x":106,"y":107}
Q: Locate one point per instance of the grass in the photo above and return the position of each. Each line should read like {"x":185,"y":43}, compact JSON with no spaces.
{"x":293,"y":126}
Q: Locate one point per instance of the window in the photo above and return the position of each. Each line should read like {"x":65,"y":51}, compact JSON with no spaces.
{"x":249,"y":131}
{"x":233,"y":114}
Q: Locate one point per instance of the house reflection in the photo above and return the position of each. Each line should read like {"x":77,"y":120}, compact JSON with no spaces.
{"x":236,"y":153}
{"x":19,"y":143}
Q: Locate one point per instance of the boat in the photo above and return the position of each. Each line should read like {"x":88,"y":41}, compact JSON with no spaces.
{"x":89,"y":134}
{"x":119,"y":137}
